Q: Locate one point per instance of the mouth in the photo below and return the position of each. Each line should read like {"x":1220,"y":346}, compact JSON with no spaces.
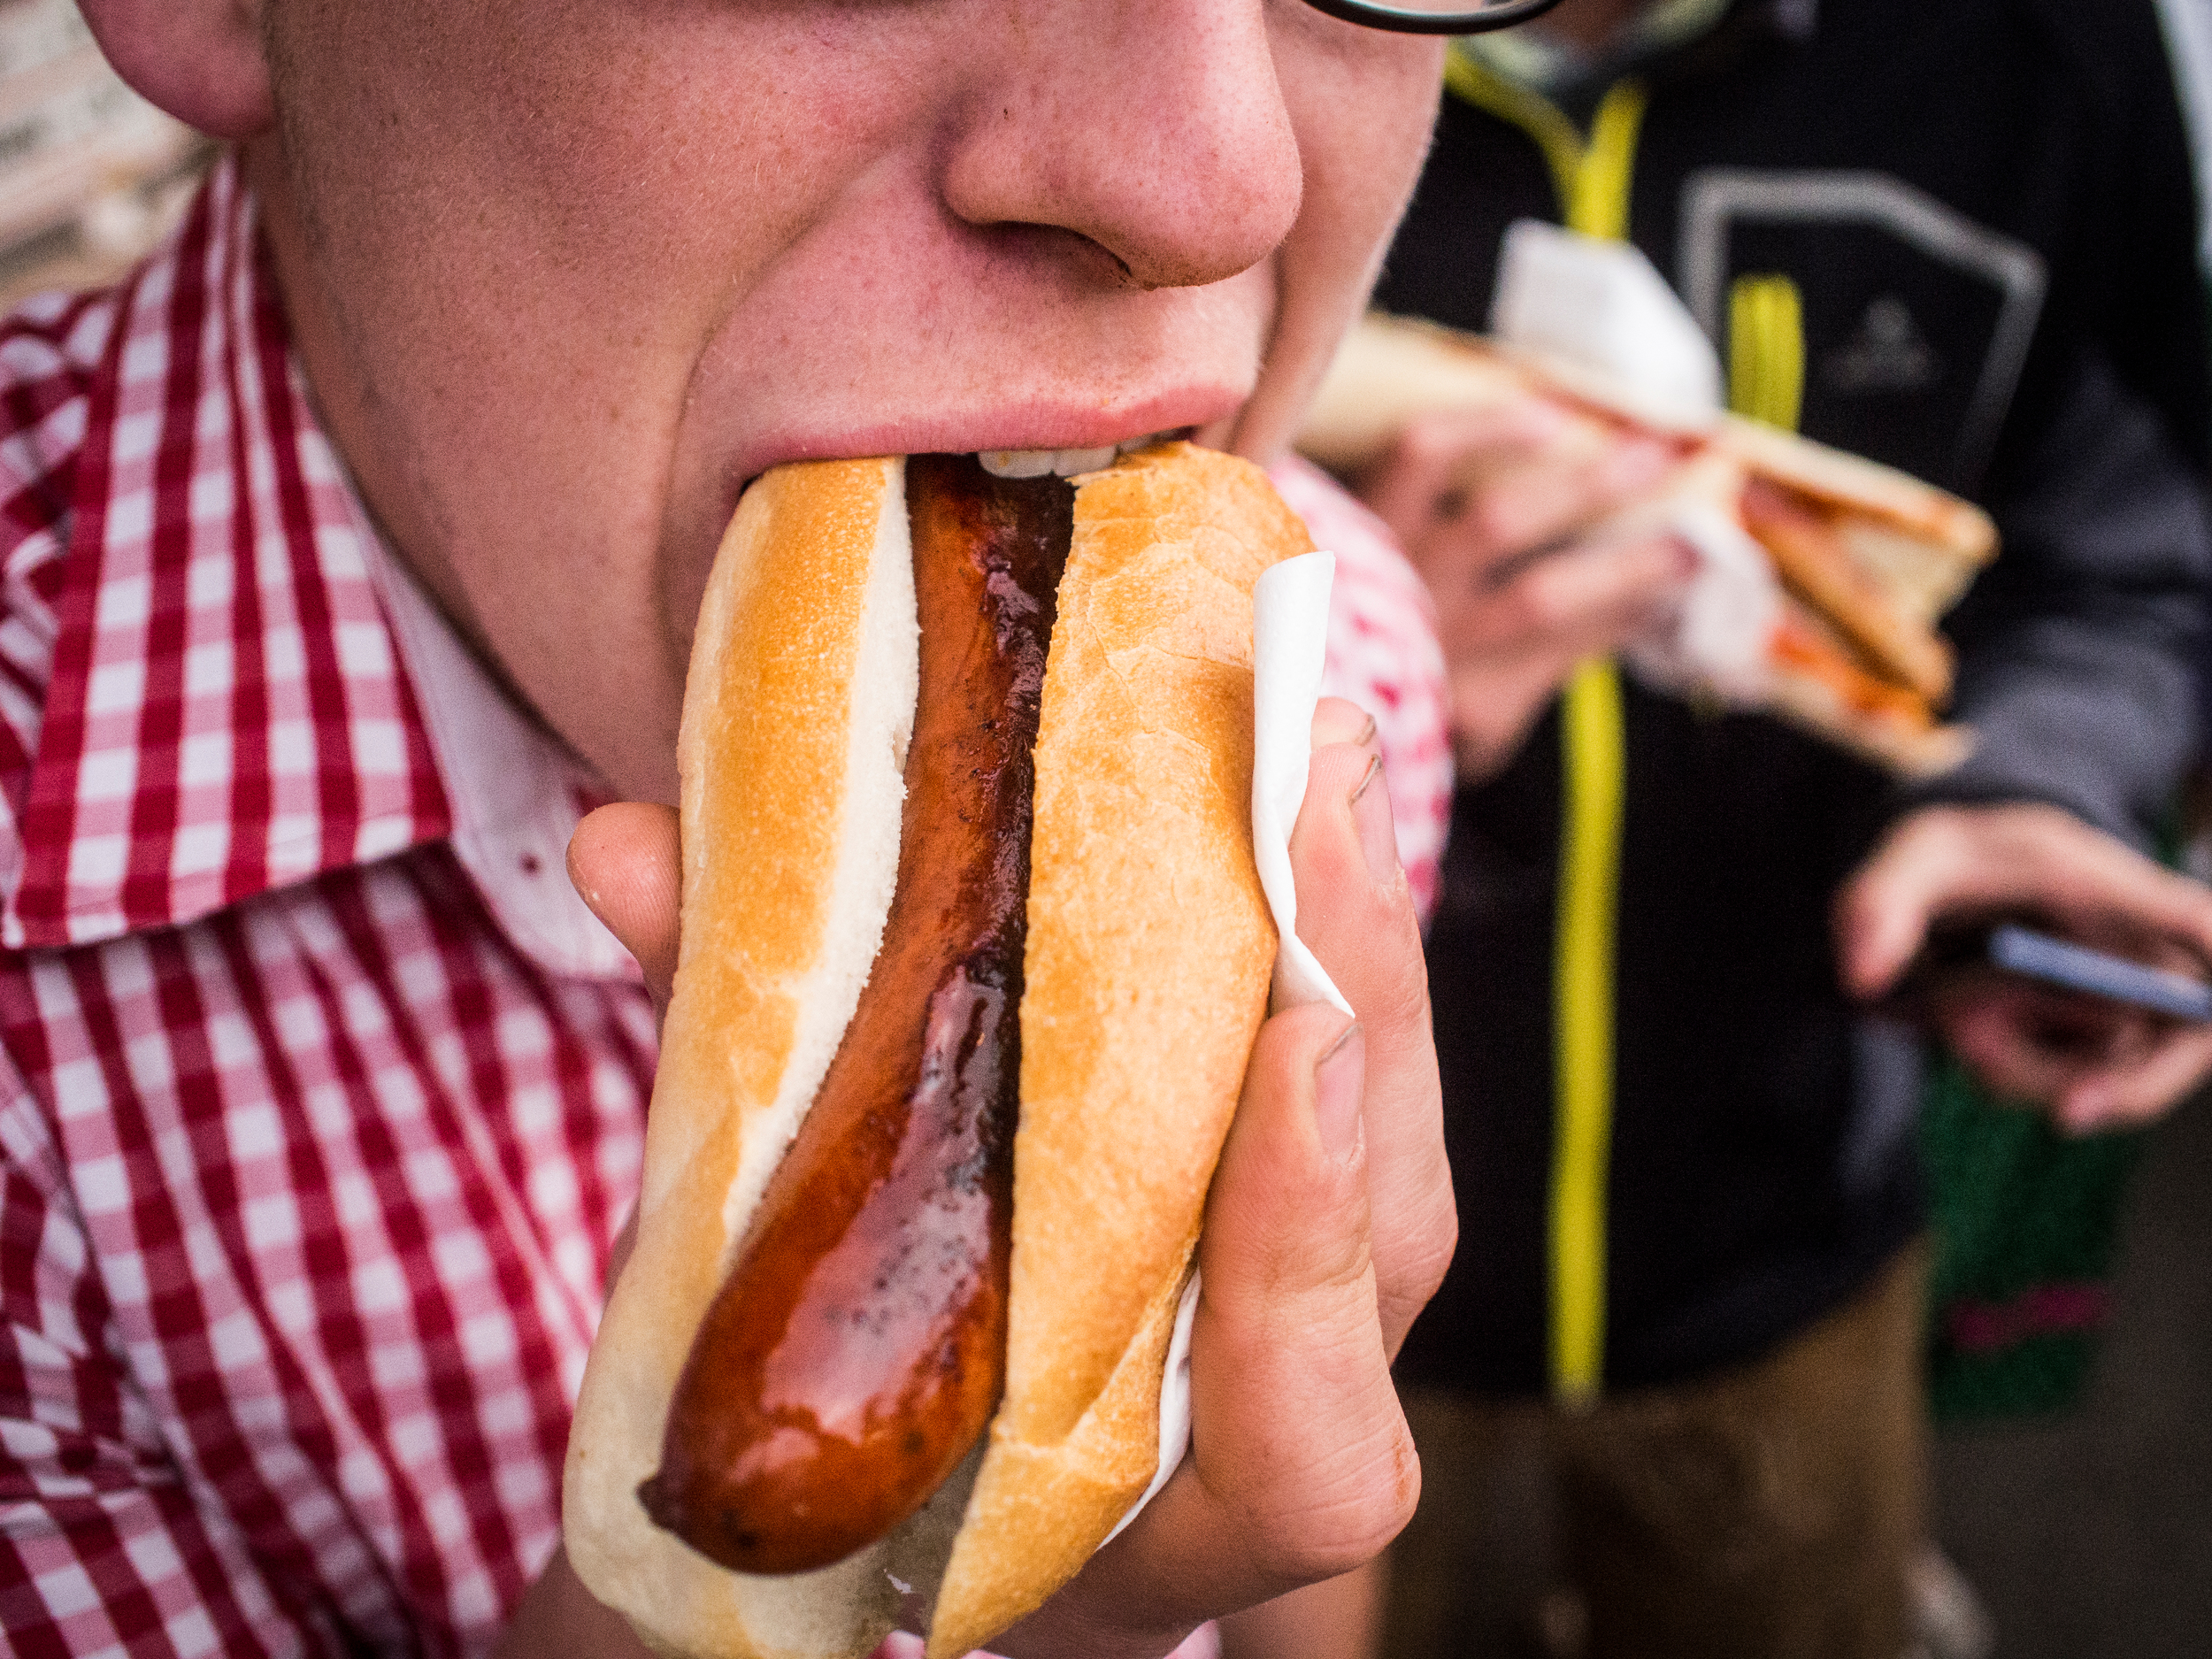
{"x":1067,"y":463}
{"x":1017,"y":463}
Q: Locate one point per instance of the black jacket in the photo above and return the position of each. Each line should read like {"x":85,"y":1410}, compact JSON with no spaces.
{"x":1946,"y":184}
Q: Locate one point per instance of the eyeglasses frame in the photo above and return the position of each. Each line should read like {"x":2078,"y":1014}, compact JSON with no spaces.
{"x":1403,"y":22}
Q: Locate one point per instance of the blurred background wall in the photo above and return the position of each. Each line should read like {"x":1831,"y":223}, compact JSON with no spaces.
{"x":91,"y":175}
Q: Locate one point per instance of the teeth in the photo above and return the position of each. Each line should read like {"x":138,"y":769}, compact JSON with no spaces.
{"x":1066,"y":463}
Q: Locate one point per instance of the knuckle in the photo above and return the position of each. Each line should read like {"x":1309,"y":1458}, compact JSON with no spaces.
{"x":1547,"y":601}
{"x":1426,"y":444}
{"x":1414,"y":1248}
{"x":1493,"y":521}
{"x":1332,"y":1254}
{"x":1400,"y":1306}
{"x":1354,"y":1523}
{"x":1421,"y":1274}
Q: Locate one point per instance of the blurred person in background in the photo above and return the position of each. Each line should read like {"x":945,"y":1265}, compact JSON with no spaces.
{"x":1960,"y":240}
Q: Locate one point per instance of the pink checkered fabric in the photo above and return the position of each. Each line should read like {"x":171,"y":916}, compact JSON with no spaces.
{"x":1384,"y":655}
{"x":312,"y":1139}
{"x":308,"y":1174}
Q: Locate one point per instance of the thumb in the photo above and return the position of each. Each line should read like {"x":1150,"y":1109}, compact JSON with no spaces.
{"x":1301,"y":1465}
{"x":623,"y":862}
{"x":1299,"y":1438}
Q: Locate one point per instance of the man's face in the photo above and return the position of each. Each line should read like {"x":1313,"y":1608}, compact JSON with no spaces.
{"x":567,"y":273}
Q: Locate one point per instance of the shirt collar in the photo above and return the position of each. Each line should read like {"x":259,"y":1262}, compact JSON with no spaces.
{"x":240,"y":670}
{"x":514,"y":793}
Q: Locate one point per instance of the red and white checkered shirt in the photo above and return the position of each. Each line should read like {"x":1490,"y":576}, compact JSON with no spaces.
{"x":322,"y":1096}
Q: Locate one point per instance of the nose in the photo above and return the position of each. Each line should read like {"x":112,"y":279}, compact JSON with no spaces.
{"x":1153,"y":131}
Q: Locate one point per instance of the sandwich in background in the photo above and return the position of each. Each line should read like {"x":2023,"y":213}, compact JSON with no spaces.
{"x":1823,"y":575}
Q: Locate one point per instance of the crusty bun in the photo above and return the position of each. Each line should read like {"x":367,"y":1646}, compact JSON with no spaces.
{"x":1885,"y":556}
{"x":1143,"y":996}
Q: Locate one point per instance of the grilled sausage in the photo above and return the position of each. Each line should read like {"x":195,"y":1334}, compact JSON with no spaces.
{"x":857,"y":1349}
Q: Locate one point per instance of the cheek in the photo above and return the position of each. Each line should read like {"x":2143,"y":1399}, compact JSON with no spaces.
{"x":608,"y":176}
{"x":528,"y":221}
{"x":523,"y":223}
{"x":1362,"y":103}
{"x":1364,"y":128}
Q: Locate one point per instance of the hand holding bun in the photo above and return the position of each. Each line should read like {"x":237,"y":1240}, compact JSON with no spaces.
{"x":1315,"y":1261}
{"x":1289,"y":1202}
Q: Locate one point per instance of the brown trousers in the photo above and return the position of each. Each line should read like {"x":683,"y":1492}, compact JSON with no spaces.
{"x":1764,"y":1513}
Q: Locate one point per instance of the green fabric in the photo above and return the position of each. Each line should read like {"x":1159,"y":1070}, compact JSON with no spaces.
{"x":2026,"y":1221}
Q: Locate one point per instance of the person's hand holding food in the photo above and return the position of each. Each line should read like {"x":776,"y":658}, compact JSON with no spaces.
{"x":1329,"y":1219}
{"x":1492,"y":505}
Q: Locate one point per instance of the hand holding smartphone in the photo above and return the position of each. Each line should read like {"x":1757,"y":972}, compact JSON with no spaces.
{"x":1986,"y":904}
{"x":2066,"y":966}
{"x":1959,"y":952}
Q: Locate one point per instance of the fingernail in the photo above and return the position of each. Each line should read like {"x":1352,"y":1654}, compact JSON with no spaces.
{"x":1340,"y":1080}
{"x":1371,"y":815}
{"x":1332,"y":724}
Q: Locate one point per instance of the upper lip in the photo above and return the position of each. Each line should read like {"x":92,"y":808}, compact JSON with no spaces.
{"x":961,"y":433}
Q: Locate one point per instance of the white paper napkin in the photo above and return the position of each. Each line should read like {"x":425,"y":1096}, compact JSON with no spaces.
{"x":1603,"y":306}
{"x":1290,"y":642}
{"x":1290,"y":647}
{"x":1715,"y":637}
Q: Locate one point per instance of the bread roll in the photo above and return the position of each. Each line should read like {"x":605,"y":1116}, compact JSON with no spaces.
{"x":1147,"y":966}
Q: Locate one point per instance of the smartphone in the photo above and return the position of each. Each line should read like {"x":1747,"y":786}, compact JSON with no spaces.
{"x":2067,"y":966}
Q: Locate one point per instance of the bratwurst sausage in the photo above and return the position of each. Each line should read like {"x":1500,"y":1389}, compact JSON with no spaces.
{"x":857,"y":1349}
{"x":1144,"y":981}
